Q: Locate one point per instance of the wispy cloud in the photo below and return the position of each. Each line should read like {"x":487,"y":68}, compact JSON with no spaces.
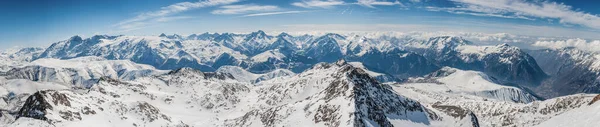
{"x":468,"y":11}
{"x":172,"y":18}
{"x":274,"y":13}
{"x":372,"y":3}
{"x":318,"y":3}
{"x":453,"y":26}
{"x":592,"y":45}
{"x":146,"y":18}
{"x":526,"y":9}
{"x":242,"y":9}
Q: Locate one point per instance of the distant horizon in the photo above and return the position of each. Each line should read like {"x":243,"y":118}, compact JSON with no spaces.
{"x":312,"y":33}
{"x":42,"y":22}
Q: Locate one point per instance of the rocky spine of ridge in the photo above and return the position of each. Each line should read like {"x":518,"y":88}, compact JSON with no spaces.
{"x":352,"y":91}
{"x":38,"y":104}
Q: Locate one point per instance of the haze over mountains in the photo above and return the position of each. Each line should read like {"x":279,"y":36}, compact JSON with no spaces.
{"x":257,"y":79}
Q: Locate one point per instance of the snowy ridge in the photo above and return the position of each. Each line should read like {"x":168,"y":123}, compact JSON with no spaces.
{"x":259,"y":52}
{"x":347,"y":89}
{"x":15,"y":57}
{"x":381,"y":77}
{"x":585,"y":116}
{"x":470,"y":85}
{"x":572,"y":70}
{"x":446,"y":92}
{"x":81,"y":71}
{"x":273,"y":55}
{"x":244,"y":76}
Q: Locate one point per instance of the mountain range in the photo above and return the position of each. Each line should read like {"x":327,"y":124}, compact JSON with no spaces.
{"x":256,"y":79}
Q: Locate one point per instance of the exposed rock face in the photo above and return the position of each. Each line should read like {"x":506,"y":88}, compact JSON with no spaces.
{"x":596,"y":98}
{"x":36,"y":105}
{"x":44,"y":103}
{"x":459,"y":113}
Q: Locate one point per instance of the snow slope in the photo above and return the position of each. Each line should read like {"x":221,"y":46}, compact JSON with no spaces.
{"x":450,"y":90}
{"x":81,"y":71}
{"x":244,"y":76}
{"x":585,"y":116}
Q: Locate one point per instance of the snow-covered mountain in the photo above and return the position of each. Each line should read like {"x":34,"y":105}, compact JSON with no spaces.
{"x":326,"y":95}
{"x":14,"y":57}
{"x":332,"y":79}
{"x":585,"y":116}
{"x":245,"y":76}
{"x":256,"y":52}
{"x":507,"y":63}
{"x":454,"y":92}
{"x":81,"y":71}
{"x":471,"y":85}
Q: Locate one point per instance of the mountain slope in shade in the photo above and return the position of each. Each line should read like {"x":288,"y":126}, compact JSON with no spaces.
{"x":507,"y":63}
{"x":399,"y":63}
{"x":258,"y":52}
{"x":571,"y":70}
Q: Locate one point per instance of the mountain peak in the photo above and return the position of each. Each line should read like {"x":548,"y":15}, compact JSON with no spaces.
{"x":503,"y":45}
{"x":283,"y":34}
{"x":259,"y":33}
{"x":452,"y":40}
{"x":341,"y":62}
{"x":162,"y":35}
{"x":76,"y":38}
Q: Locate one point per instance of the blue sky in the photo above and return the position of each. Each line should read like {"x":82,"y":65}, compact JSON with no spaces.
{"x":41,"y":22}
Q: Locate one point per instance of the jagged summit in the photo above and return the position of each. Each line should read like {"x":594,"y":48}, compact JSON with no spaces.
{"x":447,"y":41}
{"x":190,"y":72}
{"x":284,"y":35}
{"x":257,"y":35}
{"x":162,"y":35}
{"x":341,"y":62}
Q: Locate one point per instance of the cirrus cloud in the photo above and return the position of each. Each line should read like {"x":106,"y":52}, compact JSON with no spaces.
{"x":372,"y":3}
{"x":242,"y":9}
{"x":274,"y":13}
{"x":147,"y":18}
{"x":526,"y":10}
{"x":591,"y":45}
{"x":318,"y":3}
